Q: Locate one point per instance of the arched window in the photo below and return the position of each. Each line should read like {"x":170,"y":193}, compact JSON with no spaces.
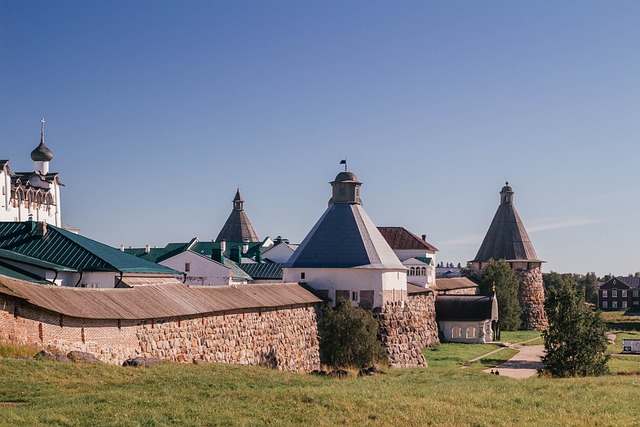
{"x":471,"y":332}
{"x":424,"y":271}
{"x":456,"y":332}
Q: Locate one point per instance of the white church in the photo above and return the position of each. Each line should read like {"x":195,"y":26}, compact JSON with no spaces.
{"x":31,"y":195}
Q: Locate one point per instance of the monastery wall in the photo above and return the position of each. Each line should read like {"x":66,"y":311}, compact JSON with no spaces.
{"x":283,"y":338}
{"x":408,"y":327}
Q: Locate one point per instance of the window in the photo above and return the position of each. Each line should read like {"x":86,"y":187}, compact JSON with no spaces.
{"x":354,"y":296}
{"x":614,"y":293}
{"x":624,"y":304}
{"x":614,"y":304}
{"x":635,"y":293}
{"x":187,"y":266}
{"x":604,"y":293}
{"x":605,"y":304}
{"x":635,"y":302}
{"x":624,"y":293}
{"x":471,"y":332}
{"x":456,"y":332}
{"x":424,"y":271}
{"x":302,"y":275}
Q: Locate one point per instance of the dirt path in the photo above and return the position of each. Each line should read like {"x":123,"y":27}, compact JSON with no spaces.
{"x":525,"y":364}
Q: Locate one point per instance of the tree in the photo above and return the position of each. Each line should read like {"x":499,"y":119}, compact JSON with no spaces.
{"x":576,"y":340}
{"x":348,"y":337}
{"x":501,"y":274}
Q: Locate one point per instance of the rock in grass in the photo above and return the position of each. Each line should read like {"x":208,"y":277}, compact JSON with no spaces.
{"x":45,"y":354}
{"x":82,"y":357}
{"x":138,"y":362}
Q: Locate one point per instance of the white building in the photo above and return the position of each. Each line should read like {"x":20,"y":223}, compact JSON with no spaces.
{"x":345,"y":257}
{"x":31,"y":195}
{"x":415,"y":253}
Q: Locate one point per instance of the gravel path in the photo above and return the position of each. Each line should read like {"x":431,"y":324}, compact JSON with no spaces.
{"x":525,"y":364}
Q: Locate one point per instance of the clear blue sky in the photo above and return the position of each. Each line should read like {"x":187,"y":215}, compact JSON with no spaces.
{"x":157,"y":110}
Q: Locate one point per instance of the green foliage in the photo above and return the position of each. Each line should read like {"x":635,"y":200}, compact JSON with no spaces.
{"x":584,"y":284}
{"x":502,"y":275}
{"x":12,"y":350}
{"x":576,"y":340}
{"x":348,"y":337}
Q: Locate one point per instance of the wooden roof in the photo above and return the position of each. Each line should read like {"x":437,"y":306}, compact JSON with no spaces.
{"x":466,"y":307}
{"x":453,"y":283}
{"x":401,"y":238}
{"x":506,"y":238}
{"x":154,"y":301}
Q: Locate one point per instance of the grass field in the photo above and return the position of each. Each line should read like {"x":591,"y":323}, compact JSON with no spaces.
{"x":50,"y":393}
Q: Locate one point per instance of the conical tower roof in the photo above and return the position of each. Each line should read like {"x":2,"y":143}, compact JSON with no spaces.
{"x":506,"y":238}
{"x":238,"y":228}
{"x":345,"y":236}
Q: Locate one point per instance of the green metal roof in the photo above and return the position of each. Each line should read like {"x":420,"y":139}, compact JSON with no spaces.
{"x":63,"y":248}
{"x":24,"y":259}
{"x":263,"y":270}
{"x":426,"y":260}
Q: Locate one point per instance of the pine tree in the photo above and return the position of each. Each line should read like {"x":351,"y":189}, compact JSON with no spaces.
{"x":501,"y":274}
{"x":576,"y":341}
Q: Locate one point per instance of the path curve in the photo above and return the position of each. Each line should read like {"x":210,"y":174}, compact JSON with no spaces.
{"x":525,"y":364}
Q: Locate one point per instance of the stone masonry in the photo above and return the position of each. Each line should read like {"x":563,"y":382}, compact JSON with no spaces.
{"x":283,"y":338}
{"x":406,"y":328}
{"x":531,"y":297}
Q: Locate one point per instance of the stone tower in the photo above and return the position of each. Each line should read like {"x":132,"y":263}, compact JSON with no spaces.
{"x":507,"y":239}
{"x":238,"y":228}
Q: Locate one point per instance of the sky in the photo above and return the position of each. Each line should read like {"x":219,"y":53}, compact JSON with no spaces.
{"x":156,"y":111}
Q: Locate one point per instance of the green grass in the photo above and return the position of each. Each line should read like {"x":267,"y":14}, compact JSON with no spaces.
{"x":622,"y":335}
{"x":65,"y":394}
{"x":519,"y":336}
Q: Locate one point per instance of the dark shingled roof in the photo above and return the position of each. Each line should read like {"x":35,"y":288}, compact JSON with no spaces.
{"x":506,"y":238}
{"x":238,"y":228}
{"x":466,"y":307}
{"x":344,"y":237}
{"x":616,"y":282}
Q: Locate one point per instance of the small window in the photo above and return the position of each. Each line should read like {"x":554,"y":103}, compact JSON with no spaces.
{"x":635,"y":302}
{"x":624,"y":293}
{"x":424,"y":271}
{"x":604,"y":293}
{"x":605,"y":304}
{"x":614,"y":293}
{"x":624,"y":304}
{"x":456,"y":332}
{"x":354,"y":296}
{"x":412,"y":271}
{"x":614,"y":304}
{"x":635,"y":293}
{"x":302,"y":275}
{"x":187,"y":266}
{"x":471,"y":332}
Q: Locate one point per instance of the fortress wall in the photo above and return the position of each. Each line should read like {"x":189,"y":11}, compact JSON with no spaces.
{"x":283,"y":338}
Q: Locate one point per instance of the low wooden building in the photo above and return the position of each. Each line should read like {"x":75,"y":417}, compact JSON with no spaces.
{"x":467,"y":318}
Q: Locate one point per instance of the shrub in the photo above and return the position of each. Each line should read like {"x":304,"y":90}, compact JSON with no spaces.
{"x":348,"y":337}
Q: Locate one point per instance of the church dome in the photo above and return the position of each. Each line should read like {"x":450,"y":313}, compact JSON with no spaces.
{"x":346,"y":176}
{"x":41,"y":153}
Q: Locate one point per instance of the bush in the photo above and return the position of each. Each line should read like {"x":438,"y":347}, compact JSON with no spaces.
{"x":348,"y":337}
{"x":576,"y":341}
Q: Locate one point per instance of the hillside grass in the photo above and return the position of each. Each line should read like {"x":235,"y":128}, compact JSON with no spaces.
{"x":63,"y":394}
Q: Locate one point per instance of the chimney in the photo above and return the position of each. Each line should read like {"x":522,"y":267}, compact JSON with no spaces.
{"x":147,"y":249}
{"x":236,"y":254}
{"x":223,"y":246}
{"x":259,"y":255}
{"x":424,"y":237}
{"x":41,"y":229}
{"x":121,"y":248}
{"x":217,"y":255}
{"x":245,"y":247}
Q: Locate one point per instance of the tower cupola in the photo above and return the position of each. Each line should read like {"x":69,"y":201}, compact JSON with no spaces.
{"x":238,"y":201}
{"x":346,"y":189}
{"x":506,"y":194}
{"x":41,"y":155}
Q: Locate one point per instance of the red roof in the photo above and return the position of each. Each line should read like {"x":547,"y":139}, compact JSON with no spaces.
{"x":401,"y":238}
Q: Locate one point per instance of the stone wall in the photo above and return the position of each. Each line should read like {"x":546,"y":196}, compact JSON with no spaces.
{"x":283,"y":338}
{"x":408,"y":327}
{"x":531,"y":297}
